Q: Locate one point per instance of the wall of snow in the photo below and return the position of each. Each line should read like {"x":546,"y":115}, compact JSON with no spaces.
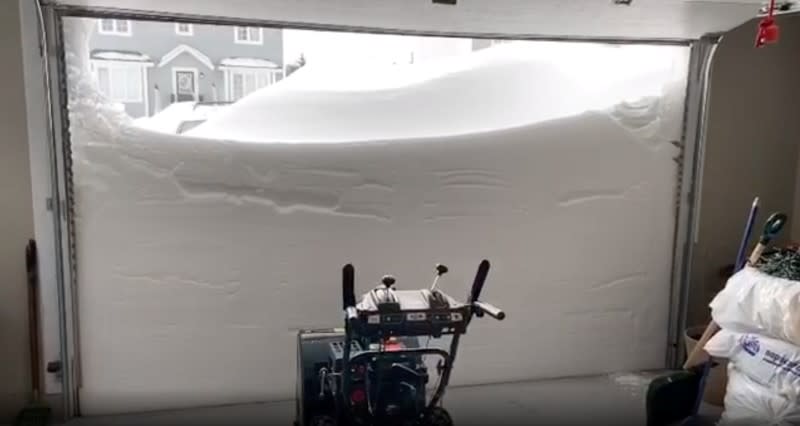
{"x":200,"y":258}
{"x":510,"y":85}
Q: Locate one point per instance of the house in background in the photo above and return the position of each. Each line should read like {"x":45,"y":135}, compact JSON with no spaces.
{"x":148,"y":65}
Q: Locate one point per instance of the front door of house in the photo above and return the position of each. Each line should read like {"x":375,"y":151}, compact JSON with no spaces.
{"x":185,"y":85}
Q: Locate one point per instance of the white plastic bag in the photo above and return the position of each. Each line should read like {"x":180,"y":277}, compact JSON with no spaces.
{"x":758,"y":303}
{"x":769,"y":362}
{"x":749,"y":403}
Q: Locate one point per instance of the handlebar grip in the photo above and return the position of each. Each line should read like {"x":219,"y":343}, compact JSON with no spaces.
{"x":480,"y":279}
{"x":491,"y":310}
{"x":348,"y":286}
{"x":351,"y":314}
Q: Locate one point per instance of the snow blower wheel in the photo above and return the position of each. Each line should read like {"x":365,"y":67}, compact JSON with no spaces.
{"x":373,"y":372}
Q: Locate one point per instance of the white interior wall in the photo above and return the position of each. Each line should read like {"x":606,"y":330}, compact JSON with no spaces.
{"x":16,"y":224}
{"x":751,"y":150}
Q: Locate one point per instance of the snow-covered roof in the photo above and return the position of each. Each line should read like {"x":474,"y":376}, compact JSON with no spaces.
{"x":120,"y":55}
{"x":242,"y":62}
{"x":183,"y":48}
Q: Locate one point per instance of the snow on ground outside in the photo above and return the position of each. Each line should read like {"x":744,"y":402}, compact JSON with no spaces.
{"x":199,"y":259}
{"x":170,"y":118}
{"x":509,"y":85}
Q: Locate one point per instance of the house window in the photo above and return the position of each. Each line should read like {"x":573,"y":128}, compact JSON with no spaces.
{"x":244,"y":82}
{"x":184,"y":29}
{"x":120,"y":82}
{"x":115,"y":27}
{"x":248,"y":35}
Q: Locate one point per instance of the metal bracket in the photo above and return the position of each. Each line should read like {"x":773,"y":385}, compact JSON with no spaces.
{"x":781,"y":7}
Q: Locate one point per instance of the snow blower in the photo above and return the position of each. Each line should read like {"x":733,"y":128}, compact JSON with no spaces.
{"x":373,"y":371}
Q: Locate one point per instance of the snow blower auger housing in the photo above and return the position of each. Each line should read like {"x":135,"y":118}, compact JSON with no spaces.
{"x":372,"y":372}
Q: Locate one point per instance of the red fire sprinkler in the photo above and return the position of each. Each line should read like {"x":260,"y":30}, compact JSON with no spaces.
{"x":768,"y":31}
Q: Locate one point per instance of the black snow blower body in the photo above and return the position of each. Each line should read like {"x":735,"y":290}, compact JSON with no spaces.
{"x":373,"y":371}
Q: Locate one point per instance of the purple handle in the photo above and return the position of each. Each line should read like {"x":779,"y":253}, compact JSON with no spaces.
{"x":748,"y":230}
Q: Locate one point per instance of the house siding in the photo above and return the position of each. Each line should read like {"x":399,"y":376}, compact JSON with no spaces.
{"x":156,"y":39}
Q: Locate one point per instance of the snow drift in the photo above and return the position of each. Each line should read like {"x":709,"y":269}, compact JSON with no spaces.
{"x":510,"y":85}
{"x":199,"y":259}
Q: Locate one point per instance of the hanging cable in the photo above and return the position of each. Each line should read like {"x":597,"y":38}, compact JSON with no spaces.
{"x":768,"y":31}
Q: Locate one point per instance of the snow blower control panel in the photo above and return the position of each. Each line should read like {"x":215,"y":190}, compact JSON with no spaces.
{"x":386,"y":312}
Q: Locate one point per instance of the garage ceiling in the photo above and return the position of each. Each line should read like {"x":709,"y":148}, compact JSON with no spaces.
{"x":641,"y":19}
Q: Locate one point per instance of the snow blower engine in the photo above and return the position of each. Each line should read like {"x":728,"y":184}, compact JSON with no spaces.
{"x":373,"y":371}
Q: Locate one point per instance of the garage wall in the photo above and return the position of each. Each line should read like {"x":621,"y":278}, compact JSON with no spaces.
{"x":796,"y":210}
{"x":16,"y":223}
{"x":752,"y":149}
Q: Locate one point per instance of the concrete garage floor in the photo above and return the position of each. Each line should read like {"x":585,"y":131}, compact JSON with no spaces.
{"x":617,"y":399}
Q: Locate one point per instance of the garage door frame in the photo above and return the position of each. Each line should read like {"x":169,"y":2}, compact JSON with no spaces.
{"x":61,"y":202}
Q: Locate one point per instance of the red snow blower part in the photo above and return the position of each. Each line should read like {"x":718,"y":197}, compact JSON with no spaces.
{"x":768,"y":31}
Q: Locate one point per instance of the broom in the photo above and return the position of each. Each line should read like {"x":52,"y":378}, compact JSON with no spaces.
{"x":36,"y":413}
{"x":676,"y":397}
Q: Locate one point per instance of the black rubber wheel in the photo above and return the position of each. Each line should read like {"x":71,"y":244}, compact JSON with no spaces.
{"x":437,"y":417}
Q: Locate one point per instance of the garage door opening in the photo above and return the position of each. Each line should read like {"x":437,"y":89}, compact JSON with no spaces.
{"x":223,"y":175}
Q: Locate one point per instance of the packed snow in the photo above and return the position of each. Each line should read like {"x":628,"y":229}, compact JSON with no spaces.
{"x":510,"y":85}
{"x":178,"y":114}
{"x":199,"y":259}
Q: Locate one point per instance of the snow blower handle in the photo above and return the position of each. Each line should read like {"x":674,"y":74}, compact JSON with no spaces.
{"x":478,"y":307}
{"x":480,"y":279}
{"x":488,"y":309}
{"x":349,"y":293}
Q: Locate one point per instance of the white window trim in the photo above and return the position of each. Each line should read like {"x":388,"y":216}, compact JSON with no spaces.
{"x":174,"y":53}
{"x":115,"y":32}
{"x":237,"y":40}
{"x":142,"y":67}
{"x":194,"y":71}
{"x":181,"y":33}
{"x":276,"y":75}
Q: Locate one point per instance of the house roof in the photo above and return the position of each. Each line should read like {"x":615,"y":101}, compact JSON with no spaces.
{"x":120,"y":55}
{"x":244,"y":62}
{"x":183,"y":48}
